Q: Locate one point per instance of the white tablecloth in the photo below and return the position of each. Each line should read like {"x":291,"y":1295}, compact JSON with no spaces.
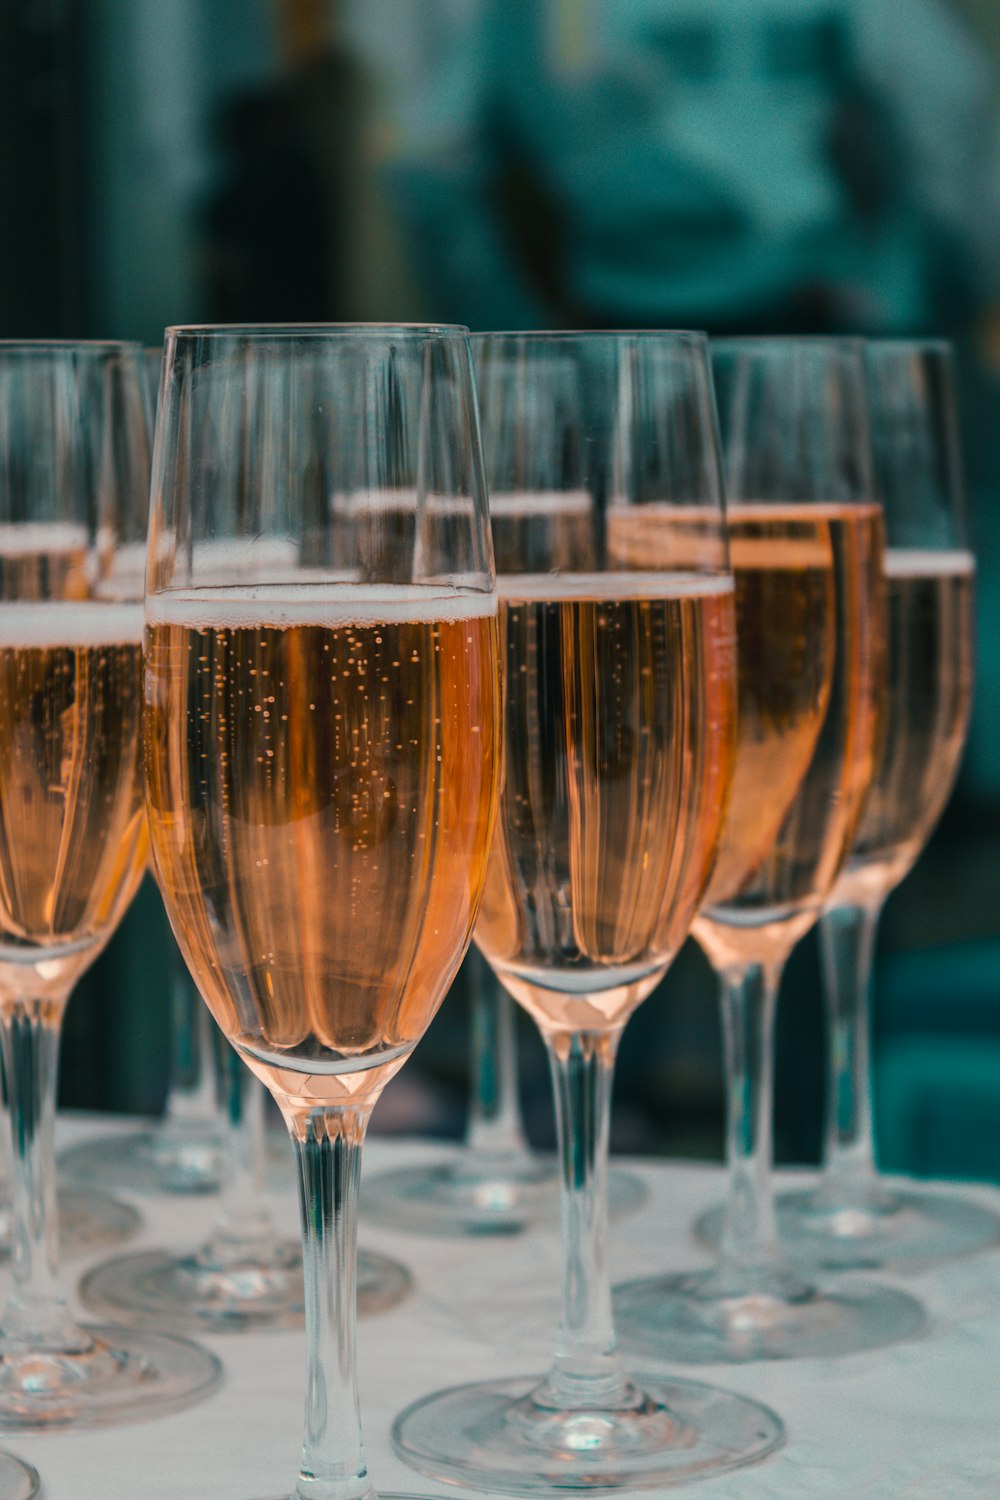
{"x":920,"y":1421}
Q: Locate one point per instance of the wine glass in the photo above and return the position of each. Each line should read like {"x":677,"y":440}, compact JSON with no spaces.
{"x":853,"y":1219}
{"x":322,"y":729}
{"x":806,"y":545}
{"x":245,"y":1275}
{"x":620,"y":699}
{"x":74,"y":477}
{"x":184,"y":1153}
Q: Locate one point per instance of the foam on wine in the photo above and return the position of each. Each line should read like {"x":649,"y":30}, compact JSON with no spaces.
{"x":915,"y":562}
{"x":70,"y":624}
{"x":330,"y":605}
{"x":22,"y":538}
{"x":527,"y":504}
{"x":564,"y":588}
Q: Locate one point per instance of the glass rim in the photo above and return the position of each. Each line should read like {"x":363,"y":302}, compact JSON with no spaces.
{"x":934,"y":344}
{"x":766,"y":341}
{"x":588,"y":335}
{"x":91,"y":346}
{"x":380,"y":591}
{"x":457,"y":331}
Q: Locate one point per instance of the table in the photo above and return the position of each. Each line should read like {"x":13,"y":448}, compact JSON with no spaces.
{"x":920,"y":1421}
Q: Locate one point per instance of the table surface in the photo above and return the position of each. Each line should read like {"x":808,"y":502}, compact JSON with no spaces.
{"x":920,"y":1421}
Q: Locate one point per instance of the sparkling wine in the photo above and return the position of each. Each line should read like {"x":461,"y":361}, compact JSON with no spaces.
{"x":810,"y":639}
{"x":322,"y":784}
{"x":930,"y":670}
{"x":619,"y":721}
{"x":786,"y":625}
{"x":72,"y":824}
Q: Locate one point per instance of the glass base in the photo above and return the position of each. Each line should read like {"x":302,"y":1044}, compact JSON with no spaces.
{"x":18,"y":1481}
{"x":126,"y":1376}
{"x":203,"y":1292}
{"x":88,"y":1222}
{"x":490,"y":1195}
{"x":381,"y":1282}
{"x":160,"y":1160}
{"x":897,"y":1231}
{"x":720,"y":1316}
{"x":498,"y":1436}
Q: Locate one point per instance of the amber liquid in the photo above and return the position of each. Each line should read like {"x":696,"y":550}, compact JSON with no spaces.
{"x":619,"y":740}
{"x":810,"y":642}
{"x":786,"y":625}
{"x":929,"y":699}
{"x":322,"y":769}
{"x":72,"y":824}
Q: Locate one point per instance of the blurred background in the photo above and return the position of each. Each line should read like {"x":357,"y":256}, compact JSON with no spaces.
{"x":733,"y":165}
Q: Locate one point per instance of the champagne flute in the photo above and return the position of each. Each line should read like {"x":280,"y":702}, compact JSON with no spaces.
{"x":620,"y":716}
{"x":853,"y":1219}
{"x":54,"y":563}
{"x":74,"y":468}
{"x":495,"y":1185}
{"x":322,"y":734}
{"x":245,"y":1275}
{"x":806,"y":543}
{"x":184,"y":1153}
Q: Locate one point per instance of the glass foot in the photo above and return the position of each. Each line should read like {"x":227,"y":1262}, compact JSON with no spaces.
{"x":499,"y":1436}
{"x":202,"y":1292}
{"x":18,"y":1481}
{"x":897,"y":1230}
{"x":155,"y":1289}
{"x":697,"y":1318}
{"x":160,"y":1160}
{"x":488,"y":1196}
{"x":381,"y":1282}
{"x":126,"y":1375}
{"x":88,"y":1222}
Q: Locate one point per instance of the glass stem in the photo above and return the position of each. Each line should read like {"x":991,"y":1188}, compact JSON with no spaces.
{"x":587,"y":1372}
{"x":847,"y":944}
{"x":36,"y":1316}
{"x":749,"y":999}
{"x":191,"y":1092}
{"x":494,"y":1114}
{"x":244,"y":1219}
{"x":328,"y":1154}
